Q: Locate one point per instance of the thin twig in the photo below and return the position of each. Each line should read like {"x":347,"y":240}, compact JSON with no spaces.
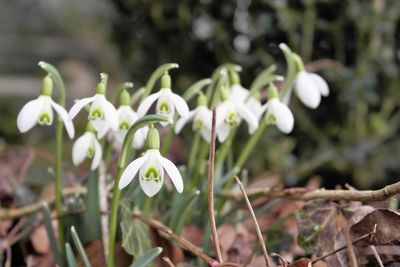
{"x":334,"y":195}
{"x":32,"y":208}
{"x":345,"y":246}
{"x":168,"y":261}
{"x":258,"y":230}
{"x":211,"y":189}
{"x":182,"y":242}
{"x":282,"y":260}
{"x":376,"y":255}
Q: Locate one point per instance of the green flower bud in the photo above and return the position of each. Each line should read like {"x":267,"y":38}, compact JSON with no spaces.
{"x":299,"y":62}
{"x":153,"y":138}
{"x":224,"y":92}
{"x":90,"y":128}
{"x":235,"y":78}
{"x":47,"y":86}
{"x":201,"y":99}
{"x":272,"y":91}
{"x":125,"y":98}
{"x":101,"y":87}
{"x":166,"y":81}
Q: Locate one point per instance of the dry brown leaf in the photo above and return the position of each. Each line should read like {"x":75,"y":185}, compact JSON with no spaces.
{"x":193,"y":234}
{"x":39,"y":240}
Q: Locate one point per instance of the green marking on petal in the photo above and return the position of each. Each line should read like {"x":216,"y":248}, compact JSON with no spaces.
{"x":90,"y":152}
{"x":164,"y":108}
{"x":231,"y":119}
{"x":44,"y":119}
{"x":271,"y":118}
{"x":97,"y":113}
{"x":198,"y":124}
{"x":124,"y":125}
{"x":152,"y":174}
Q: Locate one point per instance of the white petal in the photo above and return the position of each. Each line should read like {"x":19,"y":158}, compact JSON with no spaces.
{"x":183,"y":120}
{"x":69,"y":126}
{"x":101,"y":127}
{"x":223,"y":131}
{"x":255,"y":107}
{"x":146,"y":104}
{"x":239,"y":93}
{"x":283,"y":115}
{"x":246,"y":114}
{"x":130,"y":171}
{"x":307,"y":90}
{"x":206,"y":134}
{"x":110,"y":114}
{"x":221,"y":112}
{"x":286,"y":98}
{"x":172,"y":172}
{"x":98,"y":153}
{"x":120,"y":135}
{"x":321,"y":84}
{"x":29,"y":114}
{"x":180,"y":104}
{"x":151,"y":187}
{"x":79,"y":105}
{"x":80,"y":148}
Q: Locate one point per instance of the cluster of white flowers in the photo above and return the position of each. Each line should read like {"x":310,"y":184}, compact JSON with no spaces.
{"x":235,"y":103}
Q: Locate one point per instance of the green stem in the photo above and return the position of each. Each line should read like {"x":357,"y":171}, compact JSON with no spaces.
{"x":291,"y":70}
{"x":122,"y":161}
{"x":225,"y":148}
{"x":55,"y":75}
{"x":193,"y":151}
{"x":168,"y":140}
{"x":308,"y":30}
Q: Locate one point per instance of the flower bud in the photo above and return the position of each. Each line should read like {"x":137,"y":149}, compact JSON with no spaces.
{"x":153,"y":138}
{"x":166,"y":81}
{"x":125,"y":98}
{"x":47,"y":86}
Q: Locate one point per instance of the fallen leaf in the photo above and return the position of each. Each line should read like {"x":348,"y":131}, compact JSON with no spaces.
{"x":40,"y":241}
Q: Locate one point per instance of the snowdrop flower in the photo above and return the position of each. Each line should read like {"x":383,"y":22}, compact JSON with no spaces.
{"x":278,"y":113}
{"x":127,"y":117}
{"x":40,"y":110}
{"x":309,"y":86}
{"x":252,"y":102}
{"x":167,"y":102}
{"x":102,"y":114}
{"x":229,"y":115}
{"x":201,"y":117}
{"x":87,"y":146}
{"x":151,"y":167}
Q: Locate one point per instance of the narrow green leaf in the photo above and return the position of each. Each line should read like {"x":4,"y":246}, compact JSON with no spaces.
{"x":70,"y":256}
{"x":262,"y":79}
{"x":80,"y":248}
{"x":148,"y":257}
{"x":50,"y":233}
{"x":181,"y":209}
{"x":195,"y":88}
{"x":92,"y":214}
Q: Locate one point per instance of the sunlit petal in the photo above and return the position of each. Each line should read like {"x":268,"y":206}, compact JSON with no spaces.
{"x":80,"y":148}
{"x":183,"y":120}
{"x":249,"y":117}
{"x":172,"y":172}
{"x":307,"y":90}
{"x":146,"y":104}
{"x":79,"y":105}
{"x":283,"y":116}
{"x":131,"y":170}
{"x":110,"y":114}
{"x":180,"y":104}
{"x":223,"y":131}
{"x":151,"y":174}
{"x":98,"y":153}
{"x":321,"y":84}
{"x":29,"y":114}
{"x":69,"y":126}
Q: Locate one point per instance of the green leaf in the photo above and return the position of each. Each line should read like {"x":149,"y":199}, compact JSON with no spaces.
{"x":135,"y":234}
{"x":195,"y":88}
{"x":70,"y":256}
{"x":92,"y":214}
{"x":148,"y":257}
{"x":181,"y":208}
{"x":50,"y":233}
{"x":79,"y":247}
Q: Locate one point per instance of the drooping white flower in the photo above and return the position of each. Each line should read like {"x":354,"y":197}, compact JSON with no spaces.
{"x":151,"y":167}
{"x":201,"y":117}
{"x":127,"y":117}
{"x":310,"y":87}
{"x":40,"y":110}
{"x":229,"y":115}
{"x":167,"y":102}
{"x":87,"y":146}
{"x":102,"y":113}
{"x":280,"y":115}
{"x":251,"y":102}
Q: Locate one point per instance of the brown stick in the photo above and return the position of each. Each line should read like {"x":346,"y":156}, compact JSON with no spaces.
{"x":29,"y":209}
{"x":334,"y":195}
{"x":168,"y":261}
{"x":182,"y":242}
{"x":345,"y":246}
{"x":211,"y":189}
{"x":259,"y":234}
{"x":376,"y":255}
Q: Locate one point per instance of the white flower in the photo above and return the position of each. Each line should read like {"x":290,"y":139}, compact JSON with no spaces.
{"x":40,"y":110}
{"x":202,"y":118}
{"x":167,"y":101}
{"x":309,"y":88}
{"x":230,"y":114}
{"x":87,"y":146}
{"x":102,"y":114}
{"x":252,"y":103}
{"x":127,"y":117}
{"x":151,"y":168}
{"x":280,"y":115}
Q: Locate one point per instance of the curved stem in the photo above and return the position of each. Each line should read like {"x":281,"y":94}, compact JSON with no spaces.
{"x":155,"y":75}
{"x":55,"y":75}
{"x":122,"y":160}
{"x":291,"y":70}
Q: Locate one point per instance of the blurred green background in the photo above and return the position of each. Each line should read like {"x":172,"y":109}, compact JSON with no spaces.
{"x":352,"y":137}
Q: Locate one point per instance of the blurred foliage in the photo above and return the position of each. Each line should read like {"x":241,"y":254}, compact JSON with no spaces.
{"x":355,"y":128}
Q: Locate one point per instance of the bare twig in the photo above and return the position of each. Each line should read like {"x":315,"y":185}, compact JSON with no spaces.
{"x":211,"y":189}
{"x":282,"y":260}
{"x":29,"y":209}
{"x":370,"y":234}
{"x":168,"y":261}
{"x":259,"y":234}
{"x":334,"y":195}
{"x":350,"y":248}
{"x":181,"y":241}
{"x":376,"y":255}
